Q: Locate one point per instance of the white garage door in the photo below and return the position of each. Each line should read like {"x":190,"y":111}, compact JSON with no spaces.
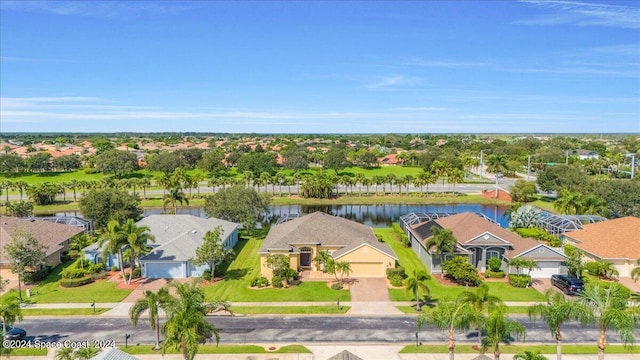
{"x":547,"y":268}
{"x":165,"y":270}
{"x":375,"y":269}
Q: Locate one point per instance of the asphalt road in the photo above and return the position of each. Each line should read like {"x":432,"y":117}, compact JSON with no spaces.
{"x":287,"y":329}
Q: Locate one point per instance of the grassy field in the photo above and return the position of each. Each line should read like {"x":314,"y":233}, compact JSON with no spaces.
{"x":246,"y":266}
{"x":221,"y":349}
{"x":277,"y":310}
{"x":511,"y":310}
{"x":409,"y":260}
{"x":48,"y":291}
{"x":28,"y":352}
{"x":514,"y":349}
{"x":64,"y":312}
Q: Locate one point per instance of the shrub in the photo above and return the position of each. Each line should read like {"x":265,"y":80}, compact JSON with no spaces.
{"x":276,"y":281}
{"x":396,"y":280}
{"x":401,"y":234}
{"x":539,"y":234}
{"x":395,"y":271}
{"x":336,"y":286}
{"x":494,"y":264}
{"x":519,"y":281}
{"x":96,"y":268}
{"x":207,"y":274}
{"x":114,"y":268}
{"x":460,"y":270}
{"x":36,"y":276}
{"x":292,"y":274}
{"x":137,"y":272}
{"x":494,"y":274}
{"x":72,"y":273}
{"x":68,"y":283}
{"x":260,"y":282}
{"x":379,"y":237}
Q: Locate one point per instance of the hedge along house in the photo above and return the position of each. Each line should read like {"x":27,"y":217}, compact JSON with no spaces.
{"x":301,"y":239}
{"x":616,"y":241}
{"x":480,"y":239}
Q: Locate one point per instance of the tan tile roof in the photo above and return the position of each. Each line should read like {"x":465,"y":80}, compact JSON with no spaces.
{"x":611,"y":239}
{"x":47,"y":233}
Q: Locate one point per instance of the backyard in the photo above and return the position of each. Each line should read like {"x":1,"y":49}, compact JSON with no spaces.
{"x":409,"y":260}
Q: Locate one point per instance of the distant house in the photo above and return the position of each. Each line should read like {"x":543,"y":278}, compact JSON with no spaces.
{"x":301,"y":239}
{"x":616,"y":241}
{"x":586,"y":154}
{"x":176,"y":239}
{"x":480,"y":240}
{"x":55,"y":238}
{"x":390,"y":159}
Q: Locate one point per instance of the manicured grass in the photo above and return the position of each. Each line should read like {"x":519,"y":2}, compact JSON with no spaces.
{"x":511,"y":309}
{"x":63,"y":312}
{"x":254,"y":310}
{"x":28,"y":351}
{"x":381,"y":171}
{"x":410,"y":261}
{"x":514,"y":349}
{"x":48,"y":291}
{"x":246,"y":266}
{"x":221,"y":349}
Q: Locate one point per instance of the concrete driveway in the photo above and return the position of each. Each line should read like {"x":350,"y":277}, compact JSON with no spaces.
{"x":369,"y":296}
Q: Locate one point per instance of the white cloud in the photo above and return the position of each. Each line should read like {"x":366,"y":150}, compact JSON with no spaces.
{"x":392,"y":81}
{"x":584,"y":14}
{"x":447,"y":63}
{"x":95,"y":9}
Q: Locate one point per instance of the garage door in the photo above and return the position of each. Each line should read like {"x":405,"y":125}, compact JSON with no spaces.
{"x":165,"y":270}
{"x":547,"y":268}
{"x":375,"y":269}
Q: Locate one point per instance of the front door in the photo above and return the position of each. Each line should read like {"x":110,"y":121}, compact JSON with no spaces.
{"x":305,"y":257}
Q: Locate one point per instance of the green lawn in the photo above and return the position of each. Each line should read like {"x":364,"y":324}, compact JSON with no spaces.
{"x":63,"y":312}
{"x":48,"y":291}
{"x":254,"y":310}
{"x":246,"y":266}
{"x":410,"y":261}
{"x":221,"y":349}
{"x":511,"y":309}
{"x":514,"y":349}
{"x":28,"y":351}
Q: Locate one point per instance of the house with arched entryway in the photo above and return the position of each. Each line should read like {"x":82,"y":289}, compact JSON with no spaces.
{"x":301,"y":239}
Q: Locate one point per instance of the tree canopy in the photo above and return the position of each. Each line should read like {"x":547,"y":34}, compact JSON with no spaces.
{"x":102,"y":205}
{"x":238,"y":204}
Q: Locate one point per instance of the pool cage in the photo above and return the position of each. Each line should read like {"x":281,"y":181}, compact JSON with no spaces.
{"x":557,"y":225}
{"x":77,"y":221}
{"x":419,"y":217}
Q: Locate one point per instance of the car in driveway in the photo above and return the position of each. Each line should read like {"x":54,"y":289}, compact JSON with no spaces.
{"x":14,"y":333}
{"x":569,"y":285}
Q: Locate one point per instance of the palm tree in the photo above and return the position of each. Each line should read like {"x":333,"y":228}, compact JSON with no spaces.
{"x":607,"y":307}
{"x":455,"y":176}
{"x":10,"y":312}
{"x":360,"y":179}
{"x":137,"y":239}
{"x":114,"y":240}
{"x":529,"y":355}
{"x":496,"y":164}
{"x":444,"y":242}
{"x":145,"y":182}
{"x":416,"y":283}
{"x":555,"y":313}
{"x":175,"y":196}
{"x":569,"y":202}
{"x":64,"y":353}
{"x":343,"y":268}
{"x":74,"y":184}
{"x":635,"y":273}
{"x":501,"y":329}
{"x":321,"y":259}
{"x":153,"y":302}
{"x":186,"y":324}
{"x":449,"y":316}
{"x":86,"y":353}
{"x":21,"y":186}
{"x":518,"y":263}
{"x":197,"y":178}
{"x":481,"y":301}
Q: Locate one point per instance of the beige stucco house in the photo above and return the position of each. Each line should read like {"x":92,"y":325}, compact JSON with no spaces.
{"x":616,"y":241}
{"x":302,"y":238}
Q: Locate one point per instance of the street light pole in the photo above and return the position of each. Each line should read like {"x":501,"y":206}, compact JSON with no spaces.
{"x":528,"y":166}
{"x":19,"y":280}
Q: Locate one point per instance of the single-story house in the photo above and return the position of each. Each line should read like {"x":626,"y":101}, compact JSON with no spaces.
{"x":480,"y":239}
{"x":176,"y":239}
{"x":616,"y":241}
{"x":586,"y":154}
{"x":55,"y":238}
{"x":303,"y":238}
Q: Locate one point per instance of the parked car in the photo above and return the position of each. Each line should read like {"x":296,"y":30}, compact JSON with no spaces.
{"x":14,"y":333}
{"x":569,"y":285}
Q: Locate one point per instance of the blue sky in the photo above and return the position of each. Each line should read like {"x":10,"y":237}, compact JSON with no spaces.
{"x":320,"y":67}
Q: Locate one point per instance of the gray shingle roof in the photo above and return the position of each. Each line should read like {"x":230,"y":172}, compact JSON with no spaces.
{"x":178,"y":236}
{"x":113,"y":354}
{"x":323,"y":229}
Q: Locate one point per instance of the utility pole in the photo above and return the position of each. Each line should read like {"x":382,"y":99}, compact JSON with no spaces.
{"x":528,"y":166}
{"x":566,"y":157}
{"x":481,"y":163}
{"x":633,"y":165}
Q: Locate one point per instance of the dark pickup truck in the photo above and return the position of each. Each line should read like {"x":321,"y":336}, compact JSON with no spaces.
{"x":569,"y":285}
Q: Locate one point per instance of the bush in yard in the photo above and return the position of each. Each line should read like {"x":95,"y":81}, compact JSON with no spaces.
{"x":72,"y":273}
{"x":293,"y":274}
{"x":539,"y":234}
{"x":114,"y":268}
{"x":276,"y":281}
{"x":137,"y":272}
{"x":494,"y":274}
{"x":96,"y":268}
{"x":260,"y":282}
{"x":399,"y":271}
{"x":401,"y":234}
{"x":336,"y":286}
{"x":68,"y":283}
{"x":460,"y":270}
{"x":494,"y":264}
{"x":206,"y":275}
{"x":519,"y":280}
{"x":30,"y":277}
{"x":396,"y":280}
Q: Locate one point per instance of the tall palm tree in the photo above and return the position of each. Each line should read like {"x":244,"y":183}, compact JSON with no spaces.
{"x":10,"y":312}
{"x":496,"y":164}
{"x":501,"y":329}
{"x":555,"y":313}
{"x":444,"y":242}
{"x":416,"y":283}
{"x":343,"y":268}
{"x":21,"y":186}
{"x":360,"y":179}
{"x":152,"y":301}
{"x":455,"y":176}
{"x":74,"y":184}
{"x":137,"y":238}
{"x":607,"y":307}
{"x":529,"y":355}
{"x":481,"y":301}
{"x":635,"y":273}
{"x":449,"y":316}
{"x":186,"y":324}
{"x":64,"y":353}
{"x":175,"y":196}
{"x":569,"y":202}
{"x":113,"y":240}
{"x":86,"y":353}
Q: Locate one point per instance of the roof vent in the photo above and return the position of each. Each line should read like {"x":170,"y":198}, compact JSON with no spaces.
{"x":193,"y":231}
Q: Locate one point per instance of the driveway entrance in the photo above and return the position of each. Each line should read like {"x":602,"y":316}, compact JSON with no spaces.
{"x":369,"y":289}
